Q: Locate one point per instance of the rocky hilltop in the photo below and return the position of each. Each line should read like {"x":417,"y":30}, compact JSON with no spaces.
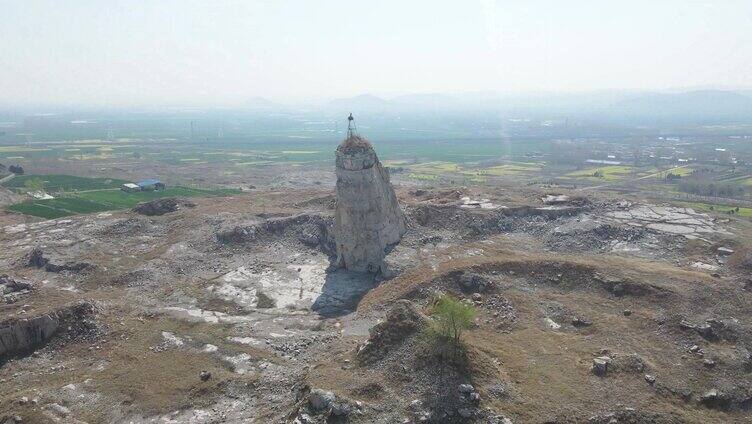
{"x":368,"y":218}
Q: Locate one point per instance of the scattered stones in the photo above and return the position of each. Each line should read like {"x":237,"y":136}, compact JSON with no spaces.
{"x":434,"y":240}
{"x":497,"y":390}
{"x":135,"y":278}
{"x":303,"y":419}
{"x":632,"y":415}
{"x":499,"y":419}
{"x":714,"y":329}
{"x":404,"y":378}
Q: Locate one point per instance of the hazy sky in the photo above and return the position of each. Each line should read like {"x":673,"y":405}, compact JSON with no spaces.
{"x":223,"y":52}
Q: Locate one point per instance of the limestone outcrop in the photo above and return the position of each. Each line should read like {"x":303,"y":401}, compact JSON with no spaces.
{"x":368,"y":218}
{"x":22,"y":335}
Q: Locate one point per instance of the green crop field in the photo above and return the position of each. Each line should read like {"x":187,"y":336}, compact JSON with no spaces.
{"x":105,"y":200}
{"x":608,"y":173}
{"x":60,"y":183}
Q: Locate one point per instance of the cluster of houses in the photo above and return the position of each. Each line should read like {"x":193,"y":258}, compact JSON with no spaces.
{"x":145,"y":185}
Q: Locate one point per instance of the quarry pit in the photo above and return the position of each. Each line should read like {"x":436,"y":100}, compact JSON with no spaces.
{"x":238,"y":309}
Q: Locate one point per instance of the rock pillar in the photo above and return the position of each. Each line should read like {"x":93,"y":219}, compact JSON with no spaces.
{"x":368,"y":218}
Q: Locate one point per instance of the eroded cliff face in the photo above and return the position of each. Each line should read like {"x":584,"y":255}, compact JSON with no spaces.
{"x":368,"y":218}
{"x":23,"y":335}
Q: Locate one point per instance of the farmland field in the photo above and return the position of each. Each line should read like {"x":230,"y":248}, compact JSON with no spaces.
{"x":59,"y":183}
{"x":266,"y":149}
{"x":105,"y":200}
{"x":607,"y":173}
{"x":513,"y":168}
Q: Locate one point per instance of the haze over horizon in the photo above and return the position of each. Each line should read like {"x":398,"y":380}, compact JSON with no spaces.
{"x":226,"y":52}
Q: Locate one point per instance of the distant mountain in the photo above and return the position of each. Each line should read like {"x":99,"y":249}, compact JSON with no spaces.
{"x":702,"y":106}
{"x":434,"y":100}
{"x":707,"y":103}
{"x":360,"y":102}
{"x":262,"y":103}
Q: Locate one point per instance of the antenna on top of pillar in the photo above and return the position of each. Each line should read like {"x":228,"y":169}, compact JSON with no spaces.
{"x":351,"y":128}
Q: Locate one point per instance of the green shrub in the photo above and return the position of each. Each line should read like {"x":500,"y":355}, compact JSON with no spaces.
{"x":450,"y":317}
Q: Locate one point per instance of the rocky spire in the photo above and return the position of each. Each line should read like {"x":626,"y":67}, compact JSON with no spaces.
{"x":368,"y":218}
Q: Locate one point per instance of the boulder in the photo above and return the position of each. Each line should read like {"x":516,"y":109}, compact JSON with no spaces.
{"x":465,"y":388}
{"x":471,"y":282}
{"x":580,"y":322}
{"x":11,"y":290}
{"x":340,"y":409}
{"x":320,"y":400}
{"x":600,"y":365}
{"x":36,"y":258}
{"x":713,"y":398}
